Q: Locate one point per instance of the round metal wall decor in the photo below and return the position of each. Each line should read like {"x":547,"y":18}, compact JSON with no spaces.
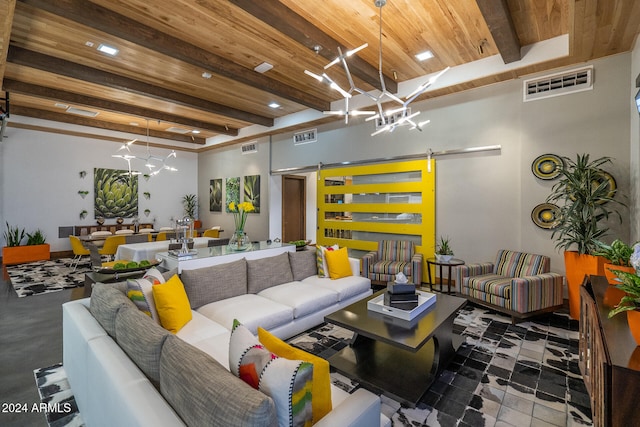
{"x":610,"y":181}
{"x":547,"y":166}
{"x":546,"y":215}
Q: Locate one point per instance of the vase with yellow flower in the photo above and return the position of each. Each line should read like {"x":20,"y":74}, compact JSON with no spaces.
{"x":239,"y":241}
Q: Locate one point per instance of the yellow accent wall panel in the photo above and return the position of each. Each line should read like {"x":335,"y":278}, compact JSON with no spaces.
{"x":361,"y":205}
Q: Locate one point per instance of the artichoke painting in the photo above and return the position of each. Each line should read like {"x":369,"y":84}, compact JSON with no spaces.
{"x":116,"y":193}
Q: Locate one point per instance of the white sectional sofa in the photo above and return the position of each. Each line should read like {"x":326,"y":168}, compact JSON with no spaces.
{"x":126,"y":370}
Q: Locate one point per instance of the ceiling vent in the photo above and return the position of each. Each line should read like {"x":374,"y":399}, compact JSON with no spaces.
{"x":249,"y":147}
{"x":392,"y":118}
{"x":305,"y":137}
{"x":82,"y":112}
{"x":559,"y":84}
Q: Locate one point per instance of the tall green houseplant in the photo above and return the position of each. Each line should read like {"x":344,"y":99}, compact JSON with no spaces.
{"x":586,"y":202}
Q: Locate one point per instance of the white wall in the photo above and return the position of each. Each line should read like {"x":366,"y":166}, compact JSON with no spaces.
{"x":230,"y":162}
{"x":484,"y":200}
{"x":275,"y":206}
{"x":40,"y":182}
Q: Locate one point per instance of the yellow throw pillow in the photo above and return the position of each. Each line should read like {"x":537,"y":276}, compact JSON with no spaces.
{"x":321,"y":387}
{"x":338,"y":263}
{"x":172,"y":304}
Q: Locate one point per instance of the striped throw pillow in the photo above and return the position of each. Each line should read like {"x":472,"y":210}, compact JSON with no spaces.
{"x":287,"y":382}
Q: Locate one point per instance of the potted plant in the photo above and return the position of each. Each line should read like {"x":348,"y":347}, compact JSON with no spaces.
{"x":444,"y":253}
{"x":618,"y":254}
{"x":585,"y":202}
{"x":190,"y":203}
{"x":630,"y":302}
{"x":16,"y":253}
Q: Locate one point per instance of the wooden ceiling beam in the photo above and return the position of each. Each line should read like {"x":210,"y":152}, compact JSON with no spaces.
{"x":7,"y":10}
{"x":62,"y":67}
{"x":15,"y":86}
{"x":103,"y":19}
{"x":84,"y":121}
{"x":289,"y":23}
{"x":498,"y":18}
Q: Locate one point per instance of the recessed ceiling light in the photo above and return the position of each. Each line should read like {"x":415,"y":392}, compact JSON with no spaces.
{"x":61,"y":105}
{"x":206,"y":75}
{"x":195,"y":131}
{"x":424,"y":55}
{"x":274,"y":105}
{"x":133,"y":124}
{"x":109,"y":50}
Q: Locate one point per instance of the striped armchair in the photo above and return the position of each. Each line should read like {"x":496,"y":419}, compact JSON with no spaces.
{"x":517,"y":283}
{"x":392,"y":257}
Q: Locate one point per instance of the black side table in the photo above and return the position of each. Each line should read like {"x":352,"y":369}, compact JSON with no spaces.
{"x":451,"y":263}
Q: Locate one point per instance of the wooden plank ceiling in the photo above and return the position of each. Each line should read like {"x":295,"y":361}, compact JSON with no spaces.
{"x":49,"y":60}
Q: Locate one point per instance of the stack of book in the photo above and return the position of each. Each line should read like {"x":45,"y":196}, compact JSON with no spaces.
{"x":401,"y":295}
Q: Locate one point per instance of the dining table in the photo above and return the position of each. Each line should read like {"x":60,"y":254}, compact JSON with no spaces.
{"x":148,"y":250}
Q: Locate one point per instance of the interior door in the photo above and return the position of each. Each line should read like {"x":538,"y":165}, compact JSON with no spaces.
{"x":293,"y":208}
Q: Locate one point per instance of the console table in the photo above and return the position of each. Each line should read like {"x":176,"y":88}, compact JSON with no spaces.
{"x":206,"y":257}
{"x":609,"y":357}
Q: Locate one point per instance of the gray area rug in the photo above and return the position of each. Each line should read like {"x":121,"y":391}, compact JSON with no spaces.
{"x":36,"y":278}
{"x":502,"y":375}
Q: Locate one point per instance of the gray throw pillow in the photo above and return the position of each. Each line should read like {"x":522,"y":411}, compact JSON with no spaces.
{"x":141,"y":338}
{"x":264,"y":273}
{"x":204,"y":393}
{"x":104,"y":304}
{"x":215,"y":283}
{"x":303,"y":264}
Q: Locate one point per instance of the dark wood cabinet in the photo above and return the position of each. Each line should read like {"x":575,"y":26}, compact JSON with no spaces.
{"x":609,"y":357}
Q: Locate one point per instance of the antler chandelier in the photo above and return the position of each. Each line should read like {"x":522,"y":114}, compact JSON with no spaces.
{"x":155,"y":164}
{"x":387,"y":121}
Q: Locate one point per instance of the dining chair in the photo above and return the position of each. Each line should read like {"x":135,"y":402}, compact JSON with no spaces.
{"x":211,"y":233}
{"x":124,"y":231}
{"x":110,"y":246}
{"x":79,"y":251}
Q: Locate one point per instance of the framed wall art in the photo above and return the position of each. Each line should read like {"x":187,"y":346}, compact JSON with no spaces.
{"x":116,"y":193}
{"x":215,"y":195}
{"x":232,"y":189}
{"x":252,"y":191}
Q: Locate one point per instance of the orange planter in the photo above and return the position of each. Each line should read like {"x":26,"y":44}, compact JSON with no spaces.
{"x":611,"y":277}
{"x":633,"y":319}
{"x":576,"y":267}
{"x":21,"y":254}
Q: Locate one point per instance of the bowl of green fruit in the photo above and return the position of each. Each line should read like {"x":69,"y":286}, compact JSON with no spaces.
{"x":124,"y":266}
{"x":300,"y":244}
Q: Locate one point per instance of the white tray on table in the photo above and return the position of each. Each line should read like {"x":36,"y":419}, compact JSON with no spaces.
{"x":425,"y":300}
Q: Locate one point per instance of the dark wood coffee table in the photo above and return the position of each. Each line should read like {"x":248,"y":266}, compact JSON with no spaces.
{"x":396,"y":357}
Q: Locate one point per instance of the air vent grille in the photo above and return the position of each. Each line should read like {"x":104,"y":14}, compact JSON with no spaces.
{"x":305,"y":137}
{"x":559,"y":84}
{"x":392,"y":118}
{"x":249,"y":147}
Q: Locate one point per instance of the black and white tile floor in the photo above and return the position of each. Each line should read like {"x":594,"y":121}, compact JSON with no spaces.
{"x":503,"y":375}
